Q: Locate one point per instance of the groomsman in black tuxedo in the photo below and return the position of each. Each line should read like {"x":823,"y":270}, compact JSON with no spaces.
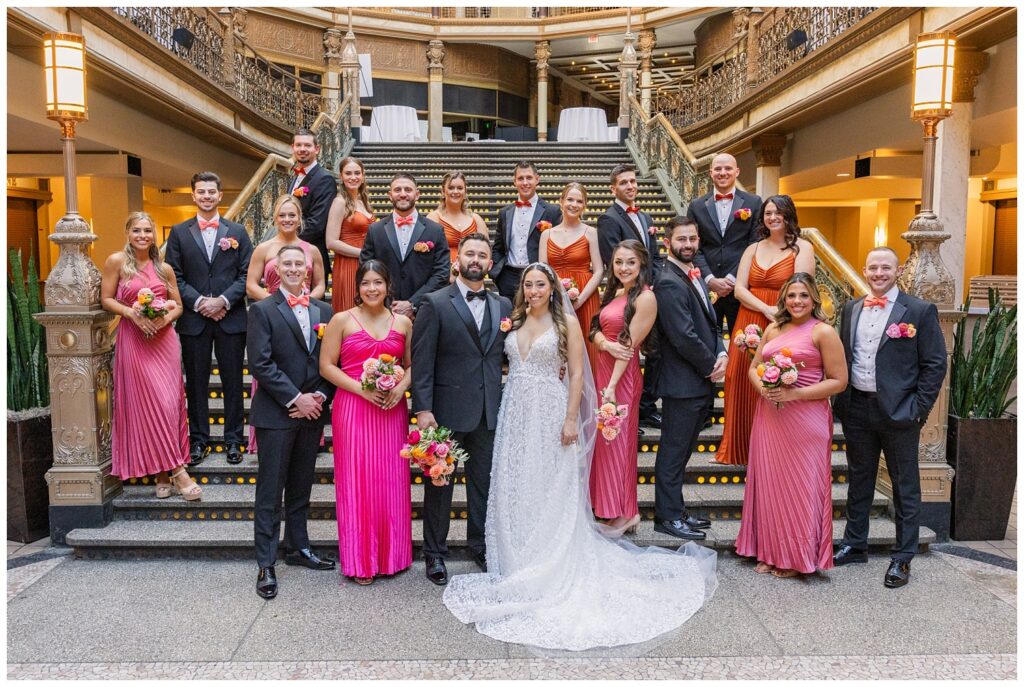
{"x":624,"y":220}
{"x":517,"y":240}
{"x":210,"y":258}
{"x":727,"y":220}
{"x":315,"y":188}
{"x":288,"y":411}
{"x":413,"y":247}
{"x":896,"y":358}
{"x":458,"y":346}
{"x":693,"y":357}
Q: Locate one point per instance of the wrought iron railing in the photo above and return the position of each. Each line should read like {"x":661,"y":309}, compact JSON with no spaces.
{"x":838,"y":282}
{"x":714,"y":88}
{"x":785,"y":35}
{"x":194,"y":34}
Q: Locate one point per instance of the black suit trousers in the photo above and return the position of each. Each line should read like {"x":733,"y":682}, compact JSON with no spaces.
{"x":195,"y":356}
{"x":508,"y":282}
{"x":649,"y":399}
{"x":682,"y":421}
{"x":729,"y":308}
{"x":286,"y":466}
{"x":437,"y":501}
{"x":867,"y":435}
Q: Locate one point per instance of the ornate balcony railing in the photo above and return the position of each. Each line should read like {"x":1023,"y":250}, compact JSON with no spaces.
{"x":818,"y":24}
{"x":201,"y":38}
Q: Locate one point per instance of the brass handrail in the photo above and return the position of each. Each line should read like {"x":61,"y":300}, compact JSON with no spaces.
{"x":838,"y":282}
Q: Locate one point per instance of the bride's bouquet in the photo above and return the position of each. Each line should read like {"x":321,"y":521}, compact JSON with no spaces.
{"x":150,"y":306}
{"x":571,"y":289}
{"x":610,"y":419}
{"x":779,"y":370}
{"x":381,"y":373}
{"x":434,"y":452}
{"x":748,"y":339}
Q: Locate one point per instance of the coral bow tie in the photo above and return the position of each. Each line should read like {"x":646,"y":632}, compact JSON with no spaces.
{"x":298,"y":300}
{"x":212,"y":224}
{"x":723,"y":196}
{"x":403,"y":221}
{"x":694,"y":273}
{"x":523,"y":204}
{"x":633,"y":210}
{"x":299,"y":171}
{"x":871,"y":302}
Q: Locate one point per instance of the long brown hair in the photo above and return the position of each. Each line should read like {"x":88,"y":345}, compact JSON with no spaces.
{"x":555,"y":304}
{"x":447,"y":179}
{"x":131,"y":266}
{"x":350,"y":205}
{"x":782,"y":315}
{"x":613,"y":285}
{"x":784,"y":204}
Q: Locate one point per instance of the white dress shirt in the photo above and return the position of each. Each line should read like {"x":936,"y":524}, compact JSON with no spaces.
{"x":476,"y":306}
{"x":209,"y":239}
{"x":518,"y":254}
{"x":299,"y":179}
{"x":404,"y":234}
{"x":301,"y":313}
{"x":867,"y":338}
{"x":724,"y":209}
{"x":637,"y":222}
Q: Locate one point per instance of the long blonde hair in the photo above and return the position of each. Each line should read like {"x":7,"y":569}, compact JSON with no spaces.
{"x":555,"y":305}
{"x":350,"y":205}
{"x":279,"y":203}
{"x":130,"y":267}
{"x":447,"y":179}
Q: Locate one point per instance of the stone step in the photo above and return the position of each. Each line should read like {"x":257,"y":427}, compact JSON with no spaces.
{"x":223,"y":539}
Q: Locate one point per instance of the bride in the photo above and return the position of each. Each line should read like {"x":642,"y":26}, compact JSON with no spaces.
{"x":554,"y":581}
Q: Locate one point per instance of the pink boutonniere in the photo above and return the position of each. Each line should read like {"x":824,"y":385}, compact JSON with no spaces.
{"x":543,"y":225}
{"x":903,"y":330}
{"x":423,"y":246}
{"x":300,"y":191}
{"x":742,"y":214}
{"x":652,"y":231}
{"x":505,"y":325}
{"x":320,"y":329}
{"x":228,"y":243}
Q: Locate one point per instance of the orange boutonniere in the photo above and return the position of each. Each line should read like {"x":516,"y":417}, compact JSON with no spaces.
{"x":320,"y":329}
{"x":423,"y":246}
{"x":300,"y":191}
{"x":742,"y":214}
{"x":543,"y":225}
{"x":505,"y":325}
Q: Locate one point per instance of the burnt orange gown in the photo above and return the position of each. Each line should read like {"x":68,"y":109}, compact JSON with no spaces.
{"x":740,"y":395}
{"x":573,"y":262}
{"x":455,"y":235}
{"x":343,"y":277}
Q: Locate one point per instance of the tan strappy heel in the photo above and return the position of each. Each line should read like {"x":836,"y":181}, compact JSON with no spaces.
{"x":184,"y":485}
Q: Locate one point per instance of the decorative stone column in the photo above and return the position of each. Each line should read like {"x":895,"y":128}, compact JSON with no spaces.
{"x":531,"y":116}
{"x":350,"y":81}
{"x":750,"y":28}
{"x":435,"y":103}
{"x":646,"y":41}
{"x":235,"y":18}
{"x":768,"y":156}
{"x":628,"y":64}
{"x":542,"y":52}
{"x":334,"y":78}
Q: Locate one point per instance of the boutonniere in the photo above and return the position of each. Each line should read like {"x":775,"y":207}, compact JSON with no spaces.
{"x":652,"y":231}
{"x":505,"y":325}
{"x":300,"y":191}
{"x":543,"y":225}
{"x":713,"y":297}
{"x":455,"y":268}
{"x":423,"y":246}
{"x":320,"y":329}
{"x":742,"y":214}
{"x":228,"y":243}
{"x":903,"y":330}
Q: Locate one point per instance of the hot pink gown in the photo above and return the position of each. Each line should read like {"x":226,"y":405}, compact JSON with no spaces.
{"x":613,"y":471}
{"x":787,"y":503}
{"x":150,"y":424}
{"x":371,"y":481}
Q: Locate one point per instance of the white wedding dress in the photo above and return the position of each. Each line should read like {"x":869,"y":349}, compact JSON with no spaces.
{"x":553,"y":580}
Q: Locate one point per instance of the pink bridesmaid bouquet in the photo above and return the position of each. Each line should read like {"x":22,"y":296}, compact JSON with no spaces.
{"x":571,"y":289}
{"x":381,"y":373}
{"x":434,"y":452}
{"x":779,"y":370}
{"x":610,"y":419}
{"x":150,"y":306}
{"x":749,"y":339}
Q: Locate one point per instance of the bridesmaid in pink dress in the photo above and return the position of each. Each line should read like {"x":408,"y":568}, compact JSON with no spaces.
{"x":149,"y":427}
{"x":371,"y":481}
{"x":787,"y":502}
{"x":261,"y":281}
{"x":619,"y":380}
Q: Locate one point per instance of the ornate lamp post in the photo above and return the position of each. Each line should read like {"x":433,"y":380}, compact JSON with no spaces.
{"x":78,"y":338}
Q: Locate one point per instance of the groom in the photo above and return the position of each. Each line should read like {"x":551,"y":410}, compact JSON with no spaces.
{"x":458,"y":344}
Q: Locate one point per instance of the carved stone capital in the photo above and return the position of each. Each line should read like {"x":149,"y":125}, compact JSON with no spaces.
{"x":333,"y":44}
{"x":768,"y":149}
{"x":970,"y":63}
{"x":435,"y":55}
{"x":542,"y":53}
{"x":239,"y":17}
{"x":925,"y":275}
{"x":74,"y":282}
{"x":740,"y":21}
{"x":646,"y":40}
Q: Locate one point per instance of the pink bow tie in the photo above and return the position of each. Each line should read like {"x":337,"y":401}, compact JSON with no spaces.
{"x":871,"y":302}
{"x":297,"y":300}
{"x":403,"y":221}
{"x":694,"y":273}
{"x":212,"y":224}
{"x":723,"y":196}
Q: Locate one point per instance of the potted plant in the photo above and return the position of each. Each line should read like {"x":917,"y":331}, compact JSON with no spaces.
{"x":29,"y":441}
{"x":982,"y":438}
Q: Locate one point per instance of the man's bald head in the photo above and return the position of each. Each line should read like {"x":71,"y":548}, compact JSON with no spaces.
{"x":724,"y":172}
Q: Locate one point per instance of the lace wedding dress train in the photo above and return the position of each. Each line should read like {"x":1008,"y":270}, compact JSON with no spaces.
{"x":553,"y":580}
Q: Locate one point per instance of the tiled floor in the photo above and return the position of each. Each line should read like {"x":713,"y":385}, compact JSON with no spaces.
{"x":1007,"y":548}
{"x":15,"y":549}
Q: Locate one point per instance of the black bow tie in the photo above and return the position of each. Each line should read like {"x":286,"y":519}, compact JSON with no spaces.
{"x":481,"y":294}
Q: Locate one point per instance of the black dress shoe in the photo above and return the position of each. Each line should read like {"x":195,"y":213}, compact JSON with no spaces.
{"x":695,"y":523}
{"x":848,"y":554}
{"x":436,"y":572}
{"x":307,"y":558}
{"x":652,"y":420}
{"x":266,"y":583}
{"x":234,"y":454}
{"x":678,"y":528}
{"x":480,"y":558}
{"x":898,"y":573}
{"x":198,"y":453}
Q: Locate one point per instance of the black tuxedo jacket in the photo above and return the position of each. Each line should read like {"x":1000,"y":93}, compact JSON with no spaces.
{"x":720,"y":255}
{"x":455,"y":371}
{"x":282,"y":363}
{"x":615,"y":226}
{"x":908,"y":371}
{"x":503,"y":237}
{"x":414,"y":274}
{"x":688,"y":336}
{"x":198,"y":275}
{"x":316,"y":204}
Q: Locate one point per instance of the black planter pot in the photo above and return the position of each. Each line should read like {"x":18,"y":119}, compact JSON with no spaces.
{"x":29,"y":456}
{"x":984,"y":454}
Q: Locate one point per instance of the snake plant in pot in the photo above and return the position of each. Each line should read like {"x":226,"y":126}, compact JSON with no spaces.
{"x":982,"y":437}
{"x":29,"y":442}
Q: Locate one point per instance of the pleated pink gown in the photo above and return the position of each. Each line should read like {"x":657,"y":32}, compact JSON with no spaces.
{"x":787,"y":502}
{"x":150,"y":423}
{"x":371,"y":481}
{"x":613,"y":470}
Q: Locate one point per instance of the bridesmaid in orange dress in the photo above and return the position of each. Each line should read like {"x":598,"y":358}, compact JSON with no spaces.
{"x":453,"y":215}
{"x":348,"y":221}
{"x":764,"y":268}
{"x":571,"y":249}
